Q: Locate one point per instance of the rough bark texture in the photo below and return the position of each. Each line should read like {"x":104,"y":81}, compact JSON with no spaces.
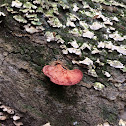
{"x":24,"y":87}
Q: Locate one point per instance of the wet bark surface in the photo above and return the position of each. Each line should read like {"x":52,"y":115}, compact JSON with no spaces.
{"x":24,"y":87}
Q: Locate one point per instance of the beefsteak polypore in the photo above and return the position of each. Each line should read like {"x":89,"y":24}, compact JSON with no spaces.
{"x":61,"y":76}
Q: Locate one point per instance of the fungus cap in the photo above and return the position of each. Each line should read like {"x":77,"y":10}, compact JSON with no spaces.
{"x":61,"y":76}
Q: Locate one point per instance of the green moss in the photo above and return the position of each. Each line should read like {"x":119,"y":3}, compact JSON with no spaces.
{"x":91,"y":4}
{"x":121,"y":25}
{"x":37,"y":68}
{"x":109,"y":114}
{"x":112,"y":55}
{"x":34,"y":111}
{"x":56,"y":51}
{"x":23,"y":1}
{"x":99,"y":35}
{"x":5,"y":1}
{"x":122,"y":59}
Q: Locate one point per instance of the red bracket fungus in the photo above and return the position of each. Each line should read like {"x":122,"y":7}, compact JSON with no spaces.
{"x":62,"y":76}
